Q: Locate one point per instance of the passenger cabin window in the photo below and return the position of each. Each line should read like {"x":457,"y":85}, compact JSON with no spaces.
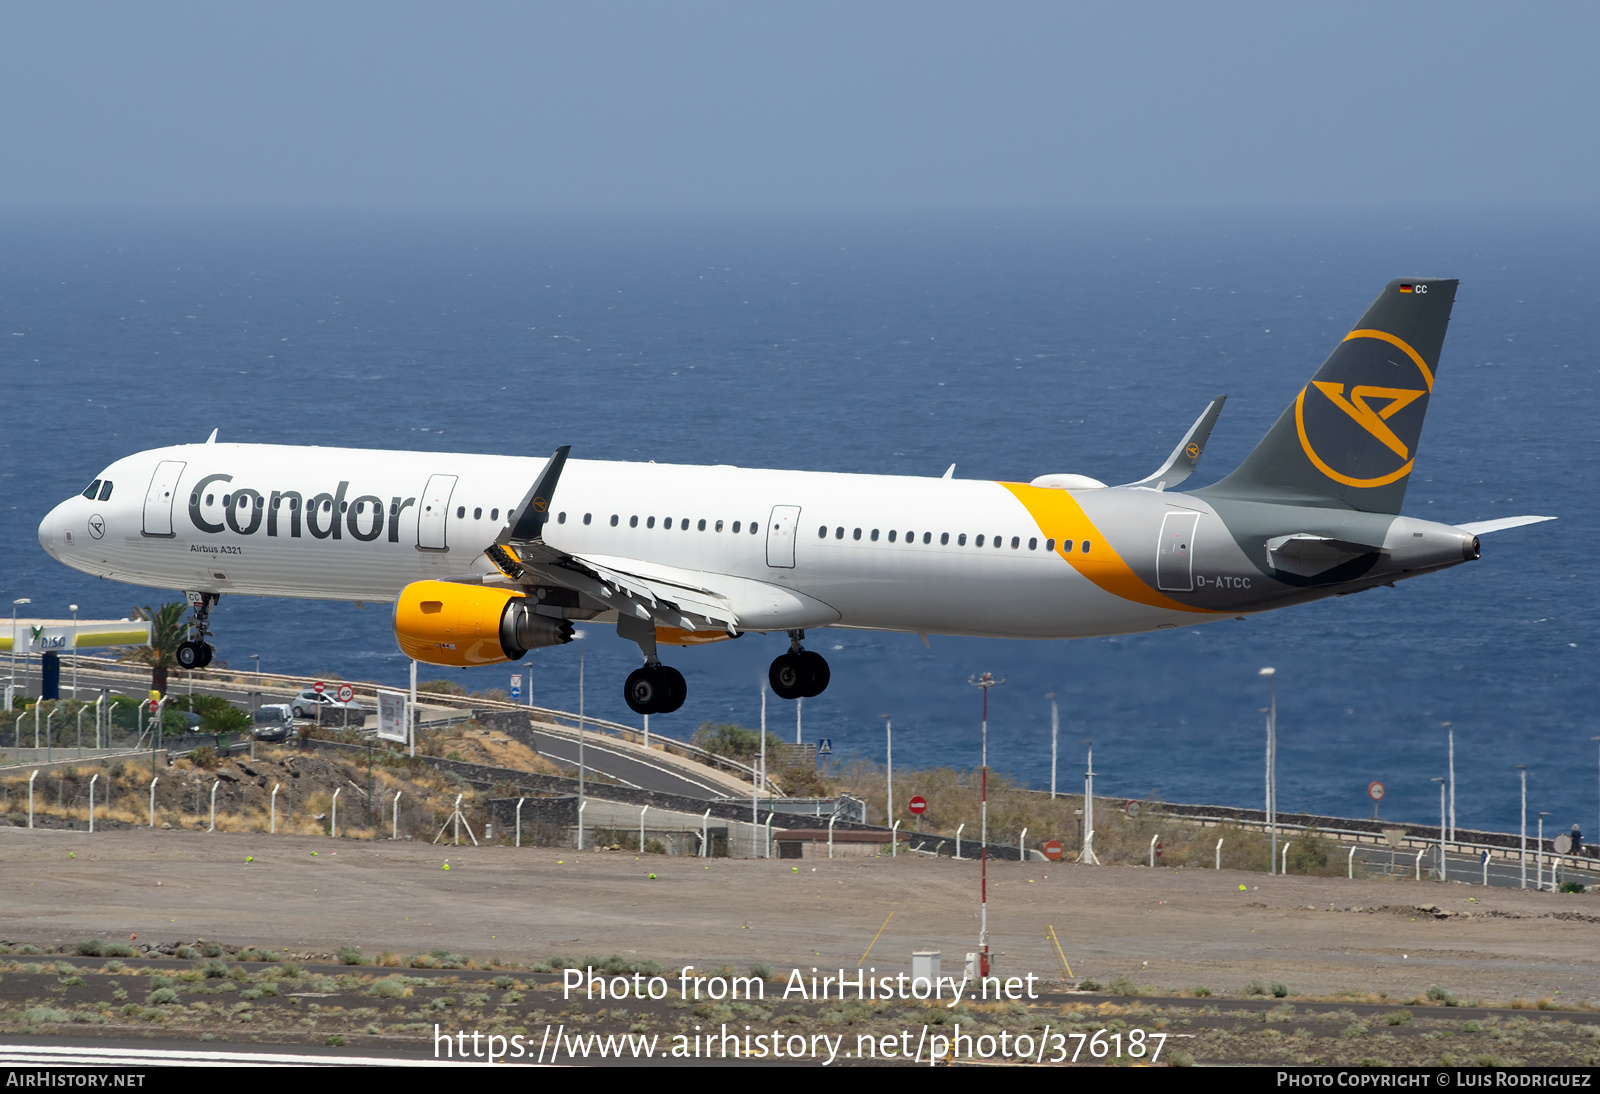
{"x":650,"y":522}
{"x":892,"y":534}
{"x":1033,"y":543}
{"x":1016,"y":542}
{"x":587,"y":517}
{"x":856,"y":535}
{"x":1049,"y":545}
{"x":822,"y":533}
{"x":477,"y":514}
{"x":874,"y":535}
{"x":461,"y":512}
{"x":753,"y":528}
{"x":927,"y":537}
{"x":735,"y":526}
{"x":702,"y":524}
{"x":1066,"y":546}
{"x":838,"y":533}
{"x":93,"y":490}
{"x":684,"y":526}
{"x":999,"y":541}
{"x":719,"y":526}
{"x":1085,"y":546}
{"x":613,"y":520}
{"x":978,"y":542}
{"x":633,"y":522}
{"x":944,"y":539}
{"x":961,"y":540}
{"x":561,"y":518}
{"x":494,"y":514}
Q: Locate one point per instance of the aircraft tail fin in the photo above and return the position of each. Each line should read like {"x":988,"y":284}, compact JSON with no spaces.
{"x":1350,"y":437}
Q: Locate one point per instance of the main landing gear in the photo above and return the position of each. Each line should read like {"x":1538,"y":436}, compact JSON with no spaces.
{"x":800,"y":673}
{"x":655,"y":689}
{"x":196,"y":652}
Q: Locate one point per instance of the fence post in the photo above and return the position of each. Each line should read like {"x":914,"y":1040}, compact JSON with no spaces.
{"x":333,"y":820}
{"x":831,"y":821}
{"x":394,"y":832}
{"x":705,"y":835}
{"x":1022,"y":846}
{"x":581,"y":807}
{"x":769,"y":832}
{"x":1485,"y":868}
{"x":35,"y":775}
{"x":519,"y":809}
{"x":214,"y":786}
{"x":273,"y":801}
{"x":92,"y":781}
{"x":1219,"y":852}
{"x":642,"y":811}
{"x":894,"y":840}
{"x":1419,"y":862}
{"x":959,"y":827}
{"x":1283,"y":868}
{"x":1153,"y":849}
{"x":153,"y":800}
{"x":1352,"y":862}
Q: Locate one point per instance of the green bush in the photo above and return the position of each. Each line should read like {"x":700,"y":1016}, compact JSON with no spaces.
{"x":1255,"y":987}
{"x":390,"y":987}
{"x":1279,"y":991}
{"x":120,"y":949}
{"x":211,"y":949}
{"x":92,"y":948}
{"x":351,"y":955}
{"x":1571,"y":887}
{"x":161,"y":997}
{"x":214,"y":970}
{"x":1436,"y":994}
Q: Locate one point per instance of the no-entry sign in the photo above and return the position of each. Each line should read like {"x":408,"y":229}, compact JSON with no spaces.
{"x":319,"y":687}
{"x":1375,"y":791}
{"x":918,"y":805}
{"x":1052,"y":849}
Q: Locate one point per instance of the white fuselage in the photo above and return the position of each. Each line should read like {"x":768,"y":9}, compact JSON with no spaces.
{"x":864,"y":551}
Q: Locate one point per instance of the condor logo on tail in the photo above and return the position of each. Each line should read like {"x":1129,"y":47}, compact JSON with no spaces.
{"x":1330,"y":445}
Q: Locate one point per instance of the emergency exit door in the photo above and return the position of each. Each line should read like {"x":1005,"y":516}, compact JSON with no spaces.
{"x":780,"y":536}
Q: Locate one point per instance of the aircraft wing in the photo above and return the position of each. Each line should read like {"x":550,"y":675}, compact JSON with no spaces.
{"x":690,"y":600}
{"x":1484,"y":527}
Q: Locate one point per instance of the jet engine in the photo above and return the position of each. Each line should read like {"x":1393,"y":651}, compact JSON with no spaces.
{"x":446,"y":623}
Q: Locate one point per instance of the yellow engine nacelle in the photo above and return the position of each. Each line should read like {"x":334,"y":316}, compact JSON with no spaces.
{"x":446,"y":623}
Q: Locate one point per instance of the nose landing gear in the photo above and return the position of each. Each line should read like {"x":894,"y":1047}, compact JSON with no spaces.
{"x":800,"y":673}
{"x":195,"y":652}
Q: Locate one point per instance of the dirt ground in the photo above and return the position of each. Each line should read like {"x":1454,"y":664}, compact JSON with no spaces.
{"x":1168,"y":931}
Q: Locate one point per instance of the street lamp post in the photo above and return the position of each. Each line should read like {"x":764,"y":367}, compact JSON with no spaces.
{"x":888,"y":747}
{"x":1442,"y":827}
{"x":1538,"y":870}
{"x":1055,"y":730}
{"x":1452,"y":773}
{"x":1579,"y":850}
{"x":582,"y":648}
{"x":985,"y":682}
{"x":1522,"y":768}
{"x":14,"y":604}
{"x":1272,"y":765}
{"x":74,"y":608}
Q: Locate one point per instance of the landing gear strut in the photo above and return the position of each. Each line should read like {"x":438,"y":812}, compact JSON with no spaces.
{"x":800,"y":673}
{"x":655,"y":688}
{"x":196,"y":652}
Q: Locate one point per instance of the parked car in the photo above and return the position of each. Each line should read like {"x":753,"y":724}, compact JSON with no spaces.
{"x":333,"y":712}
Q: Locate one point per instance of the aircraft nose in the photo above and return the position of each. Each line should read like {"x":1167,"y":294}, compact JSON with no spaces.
{"x":52,"y":529}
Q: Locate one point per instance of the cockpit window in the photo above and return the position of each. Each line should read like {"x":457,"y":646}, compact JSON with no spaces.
{"x":93,"y":490}
{"x":105,"y":490}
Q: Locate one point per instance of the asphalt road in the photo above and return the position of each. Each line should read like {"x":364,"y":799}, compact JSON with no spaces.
{"x":597,"y":756}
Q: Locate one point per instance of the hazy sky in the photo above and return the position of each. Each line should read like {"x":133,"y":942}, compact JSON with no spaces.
{"x":803,"y":104}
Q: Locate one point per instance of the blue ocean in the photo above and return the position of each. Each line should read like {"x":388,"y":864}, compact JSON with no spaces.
{"x":1010,"y":345}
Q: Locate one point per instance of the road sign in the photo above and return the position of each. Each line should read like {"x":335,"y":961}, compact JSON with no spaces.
{"x":516,"y":687}
{"x":918,"y":805}
{"x":1563,"y":843}
{"x":155,"y":706}
{"x":1375,"y":791}
{"x":346,"y":693}
{"x":825,"y":746}
{"x":1052,"y":849}
{"x":319,"y":687}
{"x":1131,"y":808}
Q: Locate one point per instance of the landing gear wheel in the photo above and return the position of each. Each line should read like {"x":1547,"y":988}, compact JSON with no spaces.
{"x":655,"y":689}
{"x":677,"y":689}
{"x":207,"y":652}
{"x":790,"y":676}
{"x":818,"y":667}
{"x":191,"y":655}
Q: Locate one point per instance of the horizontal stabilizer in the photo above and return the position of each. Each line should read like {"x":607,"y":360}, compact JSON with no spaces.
{"x":1181,"y":464}
{"x":1483,"y":527}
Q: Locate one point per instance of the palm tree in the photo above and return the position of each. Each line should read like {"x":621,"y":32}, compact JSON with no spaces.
{"x":167,"y":632}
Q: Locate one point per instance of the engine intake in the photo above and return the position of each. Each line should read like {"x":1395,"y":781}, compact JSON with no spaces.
{"x":445,"y":623}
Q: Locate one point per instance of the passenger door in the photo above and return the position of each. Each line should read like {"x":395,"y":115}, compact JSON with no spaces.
{"x":780,"y":536}
{"x":1175,"y":552}
{"x":435,"y":513}
{"x":159,"y":499}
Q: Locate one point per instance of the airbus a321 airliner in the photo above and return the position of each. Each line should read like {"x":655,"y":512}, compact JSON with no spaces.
{"x":488,"y":557}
